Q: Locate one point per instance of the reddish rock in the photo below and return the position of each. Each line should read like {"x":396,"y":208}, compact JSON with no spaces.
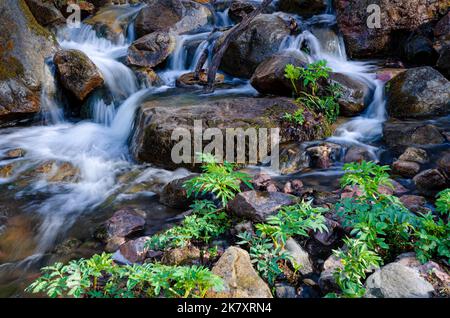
{"x":407,"y":169}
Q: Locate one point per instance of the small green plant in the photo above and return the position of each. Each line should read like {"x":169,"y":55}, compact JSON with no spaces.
{"x":219,"y":179}
{"x":356,"y":260}
{"x":296,"y":118}
{"x":295,"y":220}
{"x":432,"y":238}
{"x":443,"y":202}
{"x":368,"y":177}
{"x":265,"y":255}
{"x":100,"y":277}
{"x":205,"y":223}
{"x":323,"y":101}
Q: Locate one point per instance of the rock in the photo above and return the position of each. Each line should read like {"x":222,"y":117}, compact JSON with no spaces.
{"x":147,"y":77}
{"x":324,"y":155}
{"x":261,"y":181}
{"x":174,"y":194}
{"x":188,"y":79}
{"x":6,"y":171}
{"x":158,"y":15}
{"x":300,"y":256}
{"x":151,"y":50}
{"x":13,"y":154}
{"x":240,"y":278}
{"x":419,"y":50}
{"x":363,"y":40}
{"x":430,"y":181}
{"x":238,"y":9}
{"x":107,"y":24}
{"x":358,"y":154}
{"x":414,"y":203}
{"x":400,"y":135}
{"x":418,"y":93}
{"x":45,"y":12}
{"x":57,"y":171}
{"x":444,"y":163}
{"x":257,"y":206}
{"x":327,"y":282}
{"x":415,"y":155}
{"x":355,"y":94}
{"x":125,"y":222}
{"x":24,"y":47}
{"x":283,"y":290}
{"x":330,"y":237}
{"x":443,"y":62}
{"x":245,"y":226}
{"x":407,"y":169}
{"x":134,"y":251}
{"x":77,"y":73}
{"x":269,"y":77}
{"x":441,"y":33}
{"x":293,"y":158}
{"x":157,"y":119}
{"x":188,"y":255}
{"x":259,"y":41}
{"x":397,"y":281}
{"x":304,"y":8}
{"x":195,"y":17}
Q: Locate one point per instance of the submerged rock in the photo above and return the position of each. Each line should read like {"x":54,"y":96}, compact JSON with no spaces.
{"x":257,"y":206}
{"x":397,"y":281}
{"x":151,"y":50}
{"x":240,"y":278}
{"x":259,"y":41}
{"x":77,"y":73}
{"x":418,"y":93}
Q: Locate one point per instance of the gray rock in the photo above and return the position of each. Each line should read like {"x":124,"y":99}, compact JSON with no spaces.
{"x":418,"y":93}
{"x":397,"y":281}
{"x":259,"y":41}
{"x":301,"y":257}
{"x":257,"y":206}
{"x":240,"y":278}
{"x":430,"y":181}
{"x":151,"y":50}
{"x":125,"y":222}
{"x":415,"y":155}
{"x":134,"y":251}
{"x":283,"y":290}
{"x":327,"y":282}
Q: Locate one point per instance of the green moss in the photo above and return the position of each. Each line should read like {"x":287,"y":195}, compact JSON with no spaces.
{"x":10,"y":67}
{"x":33,"y":25}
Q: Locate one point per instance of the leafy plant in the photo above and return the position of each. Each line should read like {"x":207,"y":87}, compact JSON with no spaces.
{"x":218,"y":179}
{"x":443,"y":202}
{"x":310,"y":76}
{"x":100,"y":277}
{"x":357,"y":260}
{"x":368,"y":177}
{"x":432,"y":238}
{"x":265,"y":255}
{"x":296,"y":118}
{"x":205,"y":223}
{"x":293,"y":220}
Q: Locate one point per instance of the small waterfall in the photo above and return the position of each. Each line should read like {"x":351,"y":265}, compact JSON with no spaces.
{"x":223,"y":19}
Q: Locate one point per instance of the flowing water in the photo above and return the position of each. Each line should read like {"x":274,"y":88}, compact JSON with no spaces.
{"x":95,"y":152}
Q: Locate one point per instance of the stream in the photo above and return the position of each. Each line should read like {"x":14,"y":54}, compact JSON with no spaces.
{"x":41,"y":213}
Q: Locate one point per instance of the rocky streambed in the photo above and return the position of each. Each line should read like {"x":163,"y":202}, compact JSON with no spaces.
{"x":87,"y":116}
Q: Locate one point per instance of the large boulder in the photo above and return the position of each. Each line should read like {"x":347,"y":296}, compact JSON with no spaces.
{"x":397,"y":281}
{"x":158,"y":15}
{"x":399,"y":135}
{"x":151,"y":50}
{"x":430,"y":182}
{"x":355,"y":94}
{"x":304,"y":8}
{"x":269,"y":77}
{"x":397,"y":16}
{"x":24,"y":47}
{"x":257,"y":206}
{"x":240,"y":278}
{"x":418,"y":93}
{"x":260,"y":40}
{"x":45,"y":12}
{"x":195,"y":17}
{"x":157,"y":119}
{"x":77,"y":73}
